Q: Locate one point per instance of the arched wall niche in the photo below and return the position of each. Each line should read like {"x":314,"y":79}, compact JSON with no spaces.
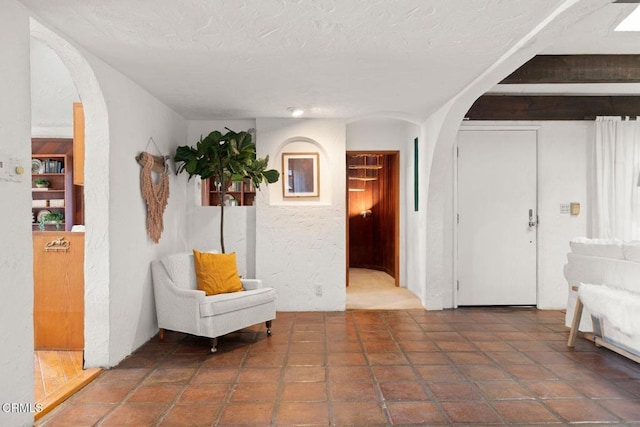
{"x":303,"y":144}
{"x":96,"y":194}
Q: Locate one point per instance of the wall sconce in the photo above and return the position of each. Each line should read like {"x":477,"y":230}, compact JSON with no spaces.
{"x":366,"y":213}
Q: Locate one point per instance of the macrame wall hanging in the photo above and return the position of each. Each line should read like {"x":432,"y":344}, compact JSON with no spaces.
{"x":155,"y":194}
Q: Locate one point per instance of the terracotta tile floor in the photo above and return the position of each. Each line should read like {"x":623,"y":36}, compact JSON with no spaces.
{"x":502,"y":366}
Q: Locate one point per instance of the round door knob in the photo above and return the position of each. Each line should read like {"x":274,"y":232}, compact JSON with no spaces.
{"x":19,"y":170}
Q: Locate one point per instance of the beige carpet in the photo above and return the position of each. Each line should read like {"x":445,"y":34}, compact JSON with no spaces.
{"x":375,"y":290}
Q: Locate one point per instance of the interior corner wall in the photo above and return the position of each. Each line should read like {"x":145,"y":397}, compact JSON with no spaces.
{"x":136,"y":117}
{"x":393,"y":135}
{"x":301,"y":244}
{"x":203,"y":232}
{"x":16,"y":249}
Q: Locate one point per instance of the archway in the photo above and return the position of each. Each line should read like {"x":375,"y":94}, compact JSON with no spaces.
{"x":440,"y":132}
{"x":96,"y":193}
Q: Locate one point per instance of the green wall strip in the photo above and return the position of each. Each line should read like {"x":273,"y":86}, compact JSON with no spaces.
{"x":415,"y":174}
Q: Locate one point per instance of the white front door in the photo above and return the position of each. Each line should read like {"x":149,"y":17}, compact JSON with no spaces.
{"x":496,"y":203}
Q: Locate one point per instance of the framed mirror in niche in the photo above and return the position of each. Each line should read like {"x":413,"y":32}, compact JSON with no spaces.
{"x":301,"y":173}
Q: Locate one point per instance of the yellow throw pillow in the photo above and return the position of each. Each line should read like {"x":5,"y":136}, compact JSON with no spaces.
{"x":217,"y":273}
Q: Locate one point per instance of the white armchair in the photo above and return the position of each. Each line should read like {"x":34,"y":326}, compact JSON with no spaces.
{"x":181,"y":307}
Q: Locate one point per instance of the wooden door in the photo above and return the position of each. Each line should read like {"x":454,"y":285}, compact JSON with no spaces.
{"x":58,"y":303}
{"x":496,"y":202}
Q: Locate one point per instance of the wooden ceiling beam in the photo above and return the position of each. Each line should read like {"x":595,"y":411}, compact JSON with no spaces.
{"x":501,"y":107}
{"x":577,"y":69}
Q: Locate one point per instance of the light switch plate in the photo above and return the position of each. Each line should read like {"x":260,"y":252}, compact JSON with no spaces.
{"x":9,"y":170}
{"x":575,"y":208}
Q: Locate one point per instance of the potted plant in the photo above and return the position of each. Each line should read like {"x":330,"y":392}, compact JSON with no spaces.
{"x":225,"y":158}
{"x":51,"y":218}
{"x":41,"y":183}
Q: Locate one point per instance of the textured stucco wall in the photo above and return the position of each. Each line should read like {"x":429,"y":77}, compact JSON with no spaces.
{"x":300,"y":245}
{"x":16,"y":254}
{"x":52,"y":94}
{"x":134,"y":117}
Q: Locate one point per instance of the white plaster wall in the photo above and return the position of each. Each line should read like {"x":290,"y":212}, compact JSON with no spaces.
{"x":135,"y":116}
{"x":301,"y":245}
{"x":52,"y":94}
{"x":393,"y":135}
{"x":16,"y":254}
{"x":204,"y":224}
{"x":563,"y":148}
{"x":563,"y":152}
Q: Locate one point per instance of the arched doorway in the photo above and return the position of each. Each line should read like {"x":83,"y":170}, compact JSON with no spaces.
{"x":96,"y":189}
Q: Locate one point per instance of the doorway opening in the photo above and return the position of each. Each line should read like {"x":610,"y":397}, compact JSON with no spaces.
{"x":60,"y":321}
{"x":373,"y":219}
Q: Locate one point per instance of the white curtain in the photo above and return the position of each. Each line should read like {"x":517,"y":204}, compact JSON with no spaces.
{"x":616,"y":194}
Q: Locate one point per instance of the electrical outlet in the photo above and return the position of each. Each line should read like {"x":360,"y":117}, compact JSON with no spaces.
{"x":565,"y":208}
{"x":318,"y":290}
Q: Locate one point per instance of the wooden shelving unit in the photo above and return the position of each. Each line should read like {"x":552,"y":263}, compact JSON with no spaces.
{"x":243,"y":193}
{"x":56,"y":168}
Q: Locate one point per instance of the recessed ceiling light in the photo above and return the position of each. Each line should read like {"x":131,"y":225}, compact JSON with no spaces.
{"x":631,"y":22}
{"x":295,"y":111}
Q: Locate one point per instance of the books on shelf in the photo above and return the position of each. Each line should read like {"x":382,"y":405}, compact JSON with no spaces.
{"x":53,"y":166}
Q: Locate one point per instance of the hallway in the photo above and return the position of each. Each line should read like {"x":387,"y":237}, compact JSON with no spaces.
{"x":375,"y":290}
{"x":374,"y":367}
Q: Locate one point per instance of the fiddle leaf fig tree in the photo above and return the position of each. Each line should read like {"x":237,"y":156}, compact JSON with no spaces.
{"x":225,"y":158}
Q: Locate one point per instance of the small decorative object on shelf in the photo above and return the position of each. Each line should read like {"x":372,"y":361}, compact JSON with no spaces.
{"x":41,"y":183}
{"x":55,"y":218}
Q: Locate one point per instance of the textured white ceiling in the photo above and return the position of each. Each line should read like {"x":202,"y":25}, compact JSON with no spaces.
{"x":335,"y":58}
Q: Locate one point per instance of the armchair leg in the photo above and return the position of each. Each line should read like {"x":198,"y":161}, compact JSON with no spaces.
{"x":214,"y":345}
{"x":161,"y":334}
{"x":268,"y":323}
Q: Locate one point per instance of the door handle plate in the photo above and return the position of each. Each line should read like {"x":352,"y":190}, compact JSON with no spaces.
{"x":532,"y":222}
